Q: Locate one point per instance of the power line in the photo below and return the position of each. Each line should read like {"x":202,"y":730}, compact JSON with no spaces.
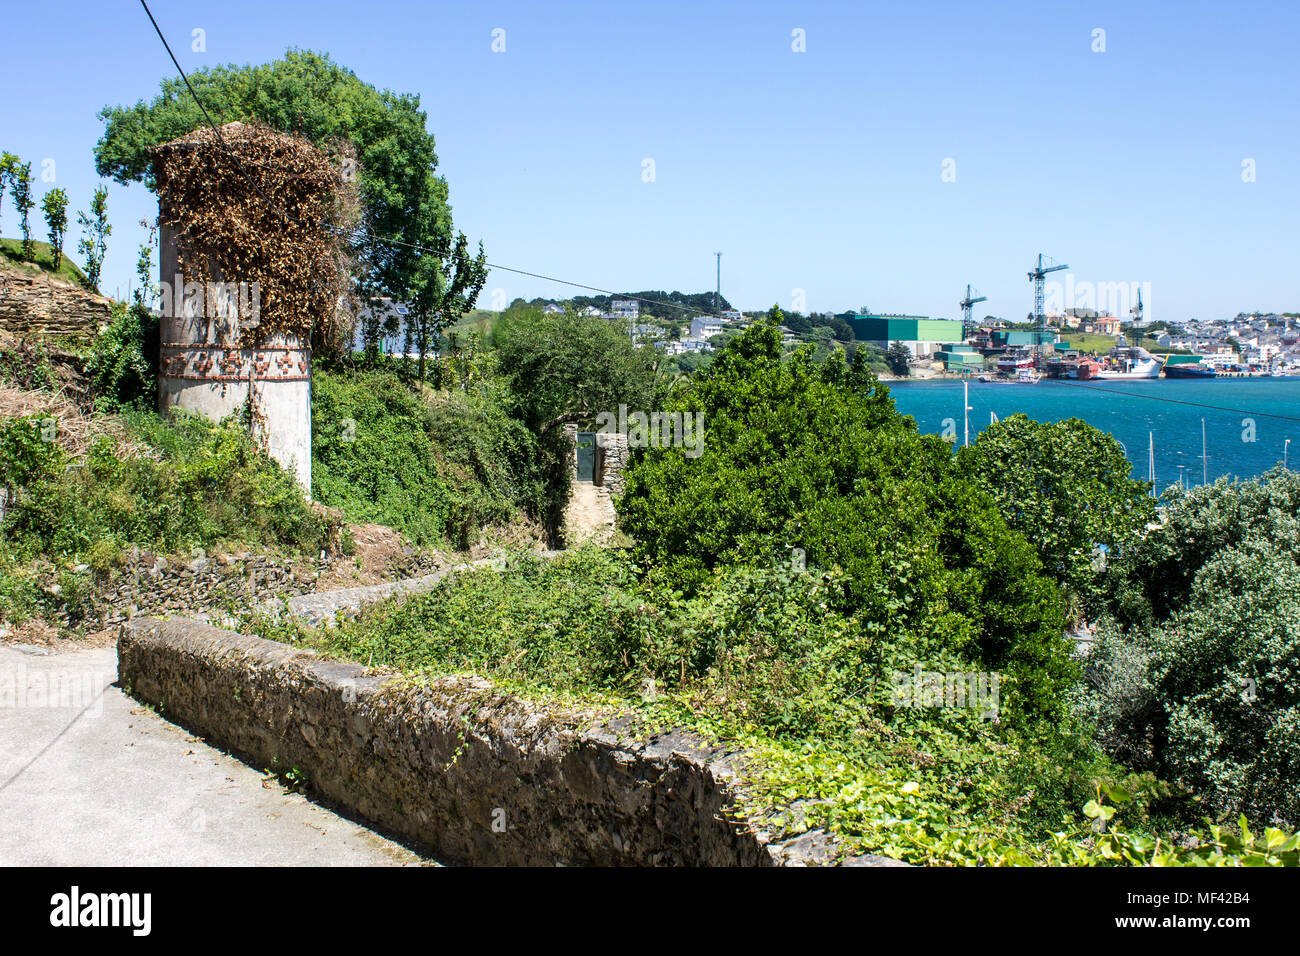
{"x":385,"y":239}
{"x":1177,"y":401}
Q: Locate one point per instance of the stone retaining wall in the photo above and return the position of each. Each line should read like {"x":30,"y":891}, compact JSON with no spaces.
{"x":31,"y":302}
{"x":474,"y":774}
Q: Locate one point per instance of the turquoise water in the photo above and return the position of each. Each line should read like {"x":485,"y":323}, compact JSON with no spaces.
{"x":1130,"y":410}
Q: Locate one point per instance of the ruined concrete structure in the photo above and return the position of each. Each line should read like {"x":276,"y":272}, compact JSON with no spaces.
{"x":209,"y":362}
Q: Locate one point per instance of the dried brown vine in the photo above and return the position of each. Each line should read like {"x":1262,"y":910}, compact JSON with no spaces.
{"x":259,"y":206}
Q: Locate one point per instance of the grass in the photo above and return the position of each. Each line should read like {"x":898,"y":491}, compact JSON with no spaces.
{"x":1089,"y":342}
{"x":11,"y":253}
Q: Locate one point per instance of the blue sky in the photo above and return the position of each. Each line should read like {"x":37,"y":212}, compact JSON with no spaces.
{"x":818,"y":171}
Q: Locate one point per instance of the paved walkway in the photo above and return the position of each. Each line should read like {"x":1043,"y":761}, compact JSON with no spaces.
{"x":90,"y":777}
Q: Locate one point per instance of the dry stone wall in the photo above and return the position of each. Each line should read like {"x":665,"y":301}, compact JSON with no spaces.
{"x":35,"y":303}
{"x":476,"y":775}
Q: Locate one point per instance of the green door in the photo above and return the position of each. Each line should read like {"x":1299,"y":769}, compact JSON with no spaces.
{"x":586,"y":456}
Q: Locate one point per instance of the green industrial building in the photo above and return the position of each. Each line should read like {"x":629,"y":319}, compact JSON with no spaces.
{"x":923,"y":336}
{"x":960,"y":358}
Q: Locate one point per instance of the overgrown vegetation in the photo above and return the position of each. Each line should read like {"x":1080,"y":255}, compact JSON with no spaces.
{"x":437,"y":466}
{"x":1196,"y":672}
{"x":186,"y":484}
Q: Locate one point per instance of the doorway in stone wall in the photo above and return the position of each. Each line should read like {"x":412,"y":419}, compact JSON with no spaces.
{"x":586,"y":450}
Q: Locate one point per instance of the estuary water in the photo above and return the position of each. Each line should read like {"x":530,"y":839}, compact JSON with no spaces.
{"x":1247,"y":420}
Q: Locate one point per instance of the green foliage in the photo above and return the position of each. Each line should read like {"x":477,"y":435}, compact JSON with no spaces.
{"x":437,"y":467}
{"x":899,"y":359}
{"x":569,"y":367}
{"x":95,"y":230}
{"x":20,"y":190}
{"x":443,"y":289}
{"x":1196,"y":670}
{"x":198,"y":485}
{"x":813,"y":457}
{"x":1211,"y":699}
{"x":309,"y":95}
{"x":54,"y":206}
{"x":566,"y":368}
{"x":1066,"y":486}
{"x":758,"y":662}
{"x":28,"y":453}
{"x":8,"y":163}
{"x":123,"y":364}
{"x":1154,"y":575}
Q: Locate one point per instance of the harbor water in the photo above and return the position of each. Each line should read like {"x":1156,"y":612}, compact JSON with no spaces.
{"x":1247,"y":420}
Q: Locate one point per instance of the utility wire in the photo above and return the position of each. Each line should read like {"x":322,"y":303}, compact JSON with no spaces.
{"x":1176,"y":401}
{"x":371,"y":235}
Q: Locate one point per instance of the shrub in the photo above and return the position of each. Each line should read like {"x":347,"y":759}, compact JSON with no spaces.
{"x":1069,"y":490}
{"x":123,"y":365}
{"x":198,"y":485}
{"x":435,"y":468}
{"x":1153,"y":576}
{"x":814,"y":457}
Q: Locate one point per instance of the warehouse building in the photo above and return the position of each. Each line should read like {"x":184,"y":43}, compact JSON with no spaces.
{"x":923,"y":336}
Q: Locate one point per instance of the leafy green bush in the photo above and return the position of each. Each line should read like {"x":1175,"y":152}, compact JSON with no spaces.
{"x":1154,"y":574}
{"x":27,"y":452}
{"x":437,"y":468}
{"x":1070,"y":490}
{"x":815,"y":457}
{"x":123,"y":364}
{"x":197,"y":485}
{"x":1211,"y":699}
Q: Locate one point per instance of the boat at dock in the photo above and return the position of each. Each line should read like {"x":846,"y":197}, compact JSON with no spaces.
{"x":1012,"y":360}
{"x":1128,"y":362}
{"x":1190,"y":370}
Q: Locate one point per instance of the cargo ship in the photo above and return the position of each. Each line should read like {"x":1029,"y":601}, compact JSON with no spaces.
{"x":1190,"y":370}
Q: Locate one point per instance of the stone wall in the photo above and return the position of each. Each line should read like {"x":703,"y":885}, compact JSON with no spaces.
{"x":32,"y":302}
{"x":611,"y":460}
{"x":476,"y":775}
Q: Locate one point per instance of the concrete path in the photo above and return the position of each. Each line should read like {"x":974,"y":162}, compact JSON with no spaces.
{"x":89,"y":777}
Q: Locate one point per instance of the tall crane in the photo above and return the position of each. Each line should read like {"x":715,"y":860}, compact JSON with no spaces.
{"x":967,"y":319}
{"x":1036,"y":277}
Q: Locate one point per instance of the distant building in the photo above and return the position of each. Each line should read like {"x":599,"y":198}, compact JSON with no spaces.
{"x":552,"y":308}
{"x":923,"y":336}
{"x":625,"y":308}
{"x":392,"y":318}
{"x":705,"y":327}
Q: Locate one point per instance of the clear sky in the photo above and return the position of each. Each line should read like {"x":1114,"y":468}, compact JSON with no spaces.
{"x":821,"y":171}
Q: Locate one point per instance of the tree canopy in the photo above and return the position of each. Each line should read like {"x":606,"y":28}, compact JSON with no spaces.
{"x":815,"y":457}
{"x":309,"y":95}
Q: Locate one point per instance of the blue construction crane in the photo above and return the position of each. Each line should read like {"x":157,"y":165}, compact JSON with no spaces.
{"x":1036,"y":277}
{"x":967,"y":319}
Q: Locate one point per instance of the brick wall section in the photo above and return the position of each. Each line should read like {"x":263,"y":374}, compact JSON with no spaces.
{"x":30,"y":302}
{"x":434,"y":762}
